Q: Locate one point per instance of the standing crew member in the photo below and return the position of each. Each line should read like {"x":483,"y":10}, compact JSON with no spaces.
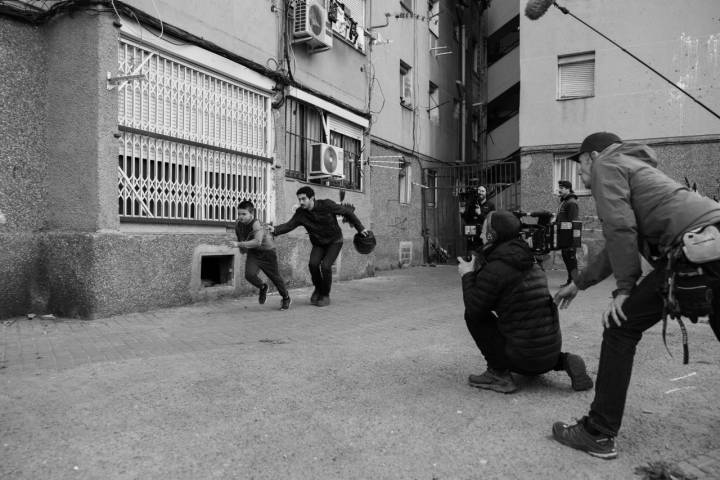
{"x":474,"y":215}
{"x":568,"y":212}
{"x":643,"y":211}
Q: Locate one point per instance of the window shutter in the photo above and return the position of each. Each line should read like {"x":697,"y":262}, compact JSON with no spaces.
{"x":338,"y":125}
{"x":576,"y":76}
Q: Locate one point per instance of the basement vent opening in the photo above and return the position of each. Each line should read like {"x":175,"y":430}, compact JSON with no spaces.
{"x":405,"y":254}
{"x":216,"y":270}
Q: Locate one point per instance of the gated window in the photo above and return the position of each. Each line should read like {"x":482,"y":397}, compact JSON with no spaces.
{"x":576,"y":76}
{"x":304,"y":124}
{"x":405,"y":184}
{"x":193,"y":143}
{"x":566,"y":169}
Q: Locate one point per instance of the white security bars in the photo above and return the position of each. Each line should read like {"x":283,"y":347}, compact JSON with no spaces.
{"x":193,"y":143}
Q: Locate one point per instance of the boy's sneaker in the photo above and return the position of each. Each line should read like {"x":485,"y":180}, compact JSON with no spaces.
{"x":491,"y":379}
{"x":262,"y":296}
{"x":575,"y":368}
{"x":314,"y":297}
{"x":323,"y":301}
{"x":285,"y":304}
{"x":576,"y":436}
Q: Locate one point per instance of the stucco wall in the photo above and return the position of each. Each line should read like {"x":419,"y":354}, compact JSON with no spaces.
{"x":23,"y":152}
{"x":394,"y":222}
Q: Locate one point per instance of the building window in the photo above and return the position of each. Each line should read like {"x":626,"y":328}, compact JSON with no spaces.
{"x":503,"y":40}
{"x":503,"y":107}
{"x":476,"y":57}
{"x":405,"y":184}
{"x":431,"y":184}
{"x":434,"y":103}
{"x":566,"y":169}
{"x":576,"y":76}
{"x":304,"y":127}
{"x":347,"y":18}
{"x":193,"y":143}
{"x":406,"y":90}
{"x":434,"y":17}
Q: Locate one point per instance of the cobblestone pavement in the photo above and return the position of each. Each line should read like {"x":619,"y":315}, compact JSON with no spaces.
{"x":372,"y":386}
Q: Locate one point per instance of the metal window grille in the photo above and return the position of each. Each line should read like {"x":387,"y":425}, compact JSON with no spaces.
{"x":405,"y":185}
{"x":193,"y":143}
{"x":353,"y":165}
{"x":576,"y":76}
{"x":566,"y":169}
{"x":405,"y":253}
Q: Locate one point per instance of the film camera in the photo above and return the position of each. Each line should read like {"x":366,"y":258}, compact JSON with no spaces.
{"x":545,"y":236}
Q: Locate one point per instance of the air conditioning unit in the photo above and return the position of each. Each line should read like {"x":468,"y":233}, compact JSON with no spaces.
{"x":312,"y":26}
{"x":326,"y":161}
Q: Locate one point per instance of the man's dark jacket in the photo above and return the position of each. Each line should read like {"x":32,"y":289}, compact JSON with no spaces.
{"x":568,"y":210}
{"x":515,"y":288}
{"x":321,"y":222}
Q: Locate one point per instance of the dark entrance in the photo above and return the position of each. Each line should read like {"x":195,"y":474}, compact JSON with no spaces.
{"x":449,"y":188}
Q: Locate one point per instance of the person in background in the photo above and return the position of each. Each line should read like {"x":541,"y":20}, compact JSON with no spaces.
{"x":568,"y":211}
{"x":474,"y":216}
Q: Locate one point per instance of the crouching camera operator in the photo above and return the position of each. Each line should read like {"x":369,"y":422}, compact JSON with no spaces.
{"x":510,"y":313}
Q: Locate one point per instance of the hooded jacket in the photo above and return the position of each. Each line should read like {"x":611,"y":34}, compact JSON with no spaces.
{"x":642,"y":210}
{"x":515,"y":288}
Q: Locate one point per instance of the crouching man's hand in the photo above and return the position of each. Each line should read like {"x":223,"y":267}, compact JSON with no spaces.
{"x":465,"y":266}
{"x":564,"y":297}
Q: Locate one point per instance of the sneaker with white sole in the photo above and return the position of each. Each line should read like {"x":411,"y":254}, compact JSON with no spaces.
{"x":496,"y":380}
{"x":577,"y":437}
{"x":285,"y":303}
{"x":262,"y":296}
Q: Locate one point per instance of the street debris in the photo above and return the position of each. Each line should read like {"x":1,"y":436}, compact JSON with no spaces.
{"x":673,"y":390}
{"x":31,"y":316}
{"x":662,"y":471}
{"x":684,"y":376}
{"x":49,"y":316}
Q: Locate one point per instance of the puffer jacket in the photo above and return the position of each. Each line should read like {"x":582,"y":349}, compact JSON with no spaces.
{"x":515,"y":288}
{"x":639,"y":206}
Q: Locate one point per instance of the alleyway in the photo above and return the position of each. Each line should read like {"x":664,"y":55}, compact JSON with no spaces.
{"x":371,"y":387}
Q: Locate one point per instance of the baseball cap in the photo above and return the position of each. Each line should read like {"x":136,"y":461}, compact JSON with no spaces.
{"x":596,"y":142}
{"x":565,"y":184}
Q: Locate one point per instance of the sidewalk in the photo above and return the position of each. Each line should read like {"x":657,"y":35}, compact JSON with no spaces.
{"x":373,"y":386}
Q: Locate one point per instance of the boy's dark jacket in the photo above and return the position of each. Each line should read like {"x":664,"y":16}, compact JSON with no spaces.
{"x":321,"y":222}
{"x":568,"y":210}
{"x":515,"y":288}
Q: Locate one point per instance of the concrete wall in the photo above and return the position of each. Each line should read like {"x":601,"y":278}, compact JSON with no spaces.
{"x":679,"y":39}
{"x":23,"y":153}
{"x":394,"y":222}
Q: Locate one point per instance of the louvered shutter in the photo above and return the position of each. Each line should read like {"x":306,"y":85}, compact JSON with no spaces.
{"x":576,"y":76}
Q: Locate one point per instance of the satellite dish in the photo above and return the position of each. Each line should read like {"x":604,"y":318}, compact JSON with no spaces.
{"x":330,"y":160}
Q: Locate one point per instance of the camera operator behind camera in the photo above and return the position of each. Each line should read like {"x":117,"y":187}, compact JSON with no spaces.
{"x":476,"y":210}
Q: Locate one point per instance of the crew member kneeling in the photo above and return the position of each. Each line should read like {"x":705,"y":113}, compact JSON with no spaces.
{"x":510,"y":313}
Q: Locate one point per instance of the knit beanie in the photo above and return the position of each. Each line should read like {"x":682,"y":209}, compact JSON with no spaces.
{"x":501,"y":226}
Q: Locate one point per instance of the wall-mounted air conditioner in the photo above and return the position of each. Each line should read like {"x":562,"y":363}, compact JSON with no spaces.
{"x":326,"y":161}
{"x":312,"y":26}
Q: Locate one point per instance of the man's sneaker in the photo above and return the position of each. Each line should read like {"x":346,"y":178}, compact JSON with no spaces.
{"x":323,"y":301}
{"x":491,"y":379}
{"x":575,"y":368}
{"x":576,"y":436}
{"x":315,"y":297}
{"x":262,"y":296}
{"x":285,"y":304}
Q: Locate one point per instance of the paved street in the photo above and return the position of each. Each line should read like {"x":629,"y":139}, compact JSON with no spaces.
{"x":373,"y":386}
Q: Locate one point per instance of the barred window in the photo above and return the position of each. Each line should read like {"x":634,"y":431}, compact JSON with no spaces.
{"x":304,"y":124}
{"x":566,"y":169}
{"x":193,"y":143}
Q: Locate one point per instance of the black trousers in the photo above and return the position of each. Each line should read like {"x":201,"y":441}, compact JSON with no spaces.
{"x":322,"y":258}
{"x":491,"y":343}
{"x":568,"y":256}
{"x":643,"y":309}
{"x":265,"y":260}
